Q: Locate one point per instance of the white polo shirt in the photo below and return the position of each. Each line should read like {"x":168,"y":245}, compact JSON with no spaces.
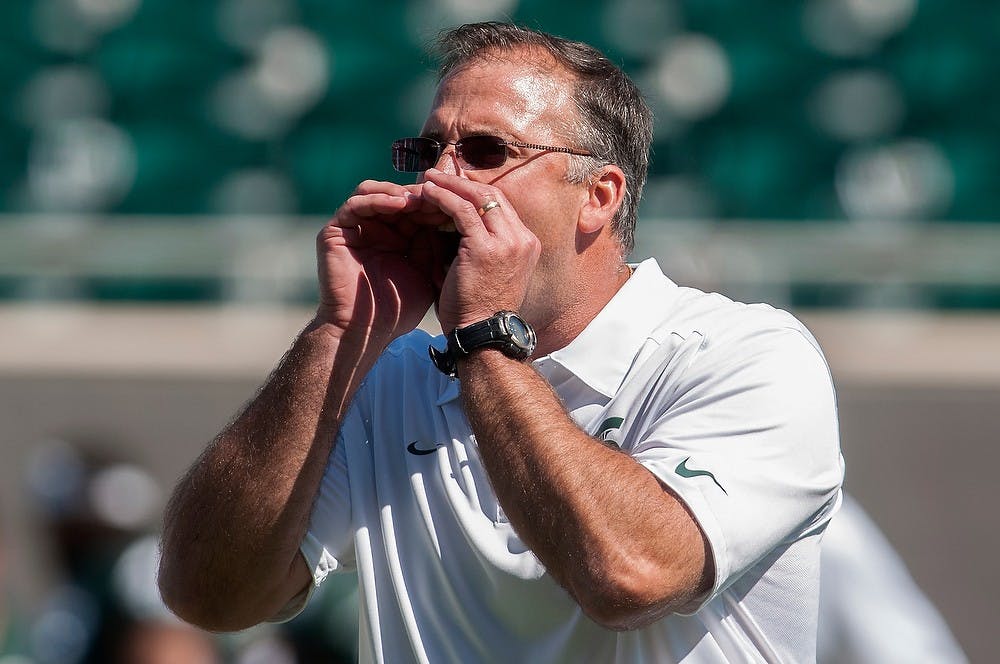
{"x":729,"y":405}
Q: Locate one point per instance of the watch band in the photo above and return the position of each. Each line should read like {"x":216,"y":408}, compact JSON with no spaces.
{"x":505,"y":330}
{"x":487,"y":332}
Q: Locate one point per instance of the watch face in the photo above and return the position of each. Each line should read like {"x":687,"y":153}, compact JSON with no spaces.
{"x":520,"y":333}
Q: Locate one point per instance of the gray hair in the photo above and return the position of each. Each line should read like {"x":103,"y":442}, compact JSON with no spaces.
{"x":616,"y":125}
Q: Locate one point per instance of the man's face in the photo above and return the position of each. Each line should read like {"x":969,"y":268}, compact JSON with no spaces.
{"x":517,"y":102}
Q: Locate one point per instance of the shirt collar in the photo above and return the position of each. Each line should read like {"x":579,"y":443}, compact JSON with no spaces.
{"x":603,"y":353}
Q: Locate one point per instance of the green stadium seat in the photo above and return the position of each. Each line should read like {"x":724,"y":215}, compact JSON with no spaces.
{"x":758,"y":172}
{"x":158,"y":77}
{"x":177,"y":165}
{"x":974,"y":155}
{"x":327,"y":162}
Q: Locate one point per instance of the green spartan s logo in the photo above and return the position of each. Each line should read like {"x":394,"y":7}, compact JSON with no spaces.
{"x":607,"y":427}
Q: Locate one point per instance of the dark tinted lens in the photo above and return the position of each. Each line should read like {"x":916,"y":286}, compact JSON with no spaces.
{"x":411,"y":155}
{"x":482,"y":151}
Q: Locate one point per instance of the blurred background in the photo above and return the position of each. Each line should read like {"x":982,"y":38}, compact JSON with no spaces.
{"x":164,"y":167}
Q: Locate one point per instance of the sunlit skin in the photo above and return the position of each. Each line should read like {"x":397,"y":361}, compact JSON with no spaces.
{"x":547,"y":251}
{"x":521,"y":104}
{"x":568,"y":220}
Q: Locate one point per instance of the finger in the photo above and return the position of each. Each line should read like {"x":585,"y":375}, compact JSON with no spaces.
{"x":377,"y":197}
{"x":426,"y":206}
{"x":461,"y":212}
{"x":360,"y":207}
{"x":477,"y":195}
{"x":372,"y":235}
{"x":462,"y":200}
{"x":382,"y":187}
{"x":417,"y":209}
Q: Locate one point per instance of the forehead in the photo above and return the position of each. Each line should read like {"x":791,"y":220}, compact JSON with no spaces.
{"x":516,"y":96}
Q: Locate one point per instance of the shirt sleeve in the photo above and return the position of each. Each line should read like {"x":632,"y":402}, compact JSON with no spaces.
{"x":329,"y":542}
{"x":326,"y":546}
{"x":747,"y":437}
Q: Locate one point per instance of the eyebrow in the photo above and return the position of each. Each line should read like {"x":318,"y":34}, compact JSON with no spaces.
{"x":479,"y":131}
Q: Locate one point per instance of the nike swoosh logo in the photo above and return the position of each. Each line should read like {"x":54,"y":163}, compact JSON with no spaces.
{"x":413,"y":449}
{"x":684,"y":471}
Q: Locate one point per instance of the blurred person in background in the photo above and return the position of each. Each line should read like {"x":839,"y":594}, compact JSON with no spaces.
{"x":91,"y":504}
{"x":13,"y":636}
{"x":871,"y":611}
{"x":154,"y":642}
{"x":652,"y":486}
{"x":97,"y":510}
{"x":138,"y":628}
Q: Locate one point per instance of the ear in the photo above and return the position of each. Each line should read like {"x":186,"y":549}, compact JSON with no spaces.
{"x":604,"y":196}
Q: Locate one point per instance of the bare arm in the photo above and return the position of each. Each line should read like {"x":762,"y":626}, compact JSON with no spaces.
{"x":625,"y":548}
{"x":234,"y":523}
{"x":621,"y":543}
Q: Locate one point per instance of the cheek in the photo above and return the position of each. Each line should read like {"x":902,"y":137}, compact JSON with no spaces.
{"x":548,"y":205}
{"x":553,"y":220}
{"x":558,"y":255}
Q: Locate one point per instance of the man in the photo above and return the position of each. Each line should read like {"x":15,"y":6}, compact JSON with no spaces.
{"x":651,"y":486}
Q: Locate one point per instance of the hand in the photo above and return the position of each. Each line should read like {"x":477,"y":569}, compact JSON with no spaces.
{"x":378,"y":258}
{"x":496,"y":255}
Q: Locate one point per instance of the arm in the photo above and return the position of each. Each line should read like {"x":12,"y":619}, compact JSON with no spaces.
{"x":604,"y":527}
{"x":234,"y":523}
{"x":624,"y":547}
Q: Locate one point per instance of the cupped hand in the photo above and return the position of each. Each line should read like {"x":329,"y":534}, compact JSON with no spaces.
{"x":378,"y":258}
{"x":496,"y":254}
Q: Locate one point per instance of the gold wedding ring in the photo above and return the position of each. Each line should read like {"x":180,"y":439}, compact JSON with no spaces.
{"x":489,"y":205}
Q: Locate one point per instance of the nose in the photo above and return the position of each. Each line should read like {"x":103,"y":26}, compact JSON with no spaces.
{"x":446,"y":163}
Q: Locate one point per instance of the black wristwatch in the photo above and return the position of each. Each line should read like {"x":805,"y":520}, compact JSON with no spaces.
{"x":504,"y":330}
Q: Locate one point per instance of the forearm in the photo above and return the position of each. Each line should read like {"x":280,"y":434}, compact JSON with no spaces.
{"x":234,"y":523}
{"x":603,"y":526}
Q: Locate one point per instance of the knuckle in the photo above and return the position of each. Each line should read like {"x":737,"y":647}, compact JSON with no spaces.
{"x":528,"y":243}
{"x":535,"y":244}
{"x":326,"y":228}
{"x":470,"y":208}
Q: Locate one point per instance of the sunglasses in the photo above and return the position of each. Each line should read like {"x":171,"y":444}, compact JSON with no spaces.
{"x":412,"y":155}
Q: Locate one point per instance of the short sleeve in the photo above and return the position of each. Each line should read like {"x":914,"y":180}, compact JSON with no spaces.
{"x":326,"y":546}
{"x":749,"y":441}
{"x":328,"y":543}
